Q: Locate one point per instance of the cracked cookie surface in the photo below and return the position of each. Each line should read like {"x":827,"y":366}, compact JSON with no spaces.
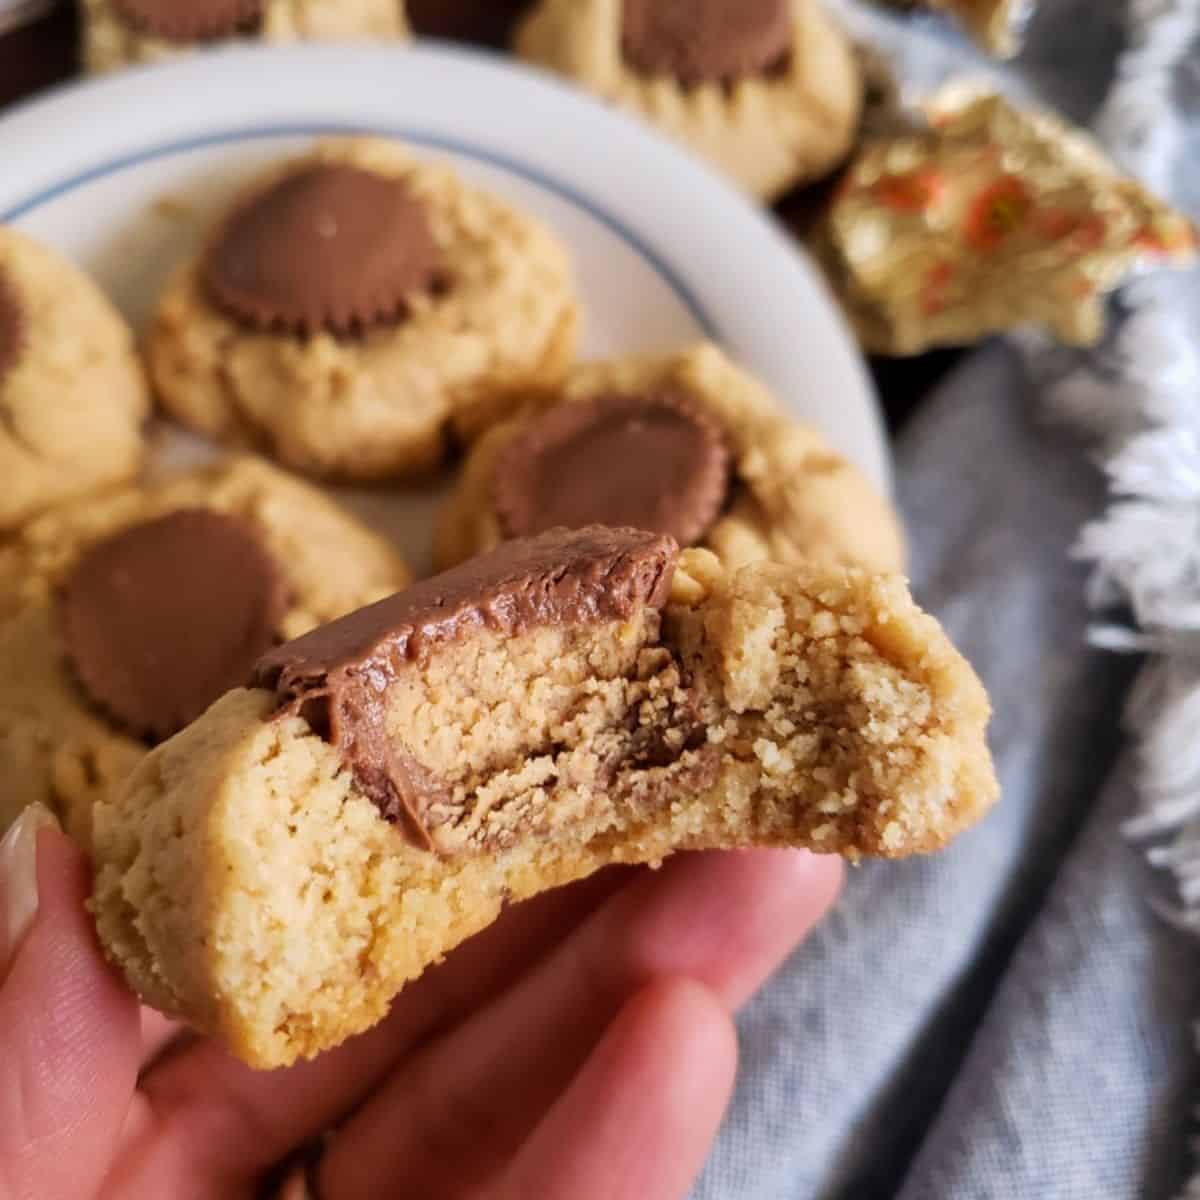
{"x":56,"y":745}
{"x":73,"y":398}
{"x":385,"y":402}
{"x":790,"y":497}
{"x":281,"y":868}
{"x":767,"y":131}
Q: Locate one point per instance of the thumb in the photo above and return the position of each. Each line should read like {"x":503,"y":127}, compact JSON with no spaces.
{"x":69,"y":1032}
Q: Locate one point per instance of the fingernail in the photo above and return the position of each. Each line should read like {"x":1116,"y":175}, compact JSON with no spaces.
{"x":18,"y":879}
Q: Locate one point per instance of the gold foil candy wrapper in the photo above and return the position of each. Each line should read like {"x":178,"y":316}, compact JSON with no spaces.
{"x":996,"y":24}
{"x":984,"y":219}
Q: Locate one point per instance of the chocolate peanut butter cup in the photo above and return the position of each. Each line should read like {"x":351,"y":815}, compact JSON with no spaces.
{"x":340,"y":677}
{"x":330,"y":247}
{"x":707,"y":41}
{"x":162,"y":618}
{"x":191,"y":20}
{"x":654,"y":461}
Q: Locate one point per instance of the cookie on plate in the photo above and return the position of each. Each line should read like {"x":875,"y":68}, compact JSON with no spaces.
{"x":767,"y":90}
{"x":280,"y":869}
{"x":73,"y":398}
{"x":123,"y":617}
{"x":687,"y":444}
{"x":359,"y":308}
{"x":117,"y":33}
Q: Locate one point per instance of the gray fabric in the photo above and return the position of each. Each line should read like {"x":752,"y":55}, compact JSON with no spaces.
{"x":848,"y":1055}
{"x":1079,"y":1084}
{"x":1009,"y":1019}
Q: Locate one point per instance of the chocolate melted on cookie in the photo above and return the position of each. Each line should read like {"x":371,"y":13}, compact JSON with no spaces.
{"x":337,"y":677}
{"x":655,"y":461}
{"x":191,"y":20}
{"x":161,"y":619}
{"x":707,"y":41}
{"x":12,"y":327}
{"x":489,"y":22}
{"x":330,"y":246}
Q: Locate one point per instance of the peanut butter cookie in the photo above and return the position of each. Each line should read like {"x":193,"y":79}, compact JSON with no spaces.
{"x":118,"y":33}
{"x":359,"y":308}
{"x":767,"y":90}
{"x":123,"y":617}
{"x":280,"y":869}
{"x":687,"y":444}
{"x":72,"y":395}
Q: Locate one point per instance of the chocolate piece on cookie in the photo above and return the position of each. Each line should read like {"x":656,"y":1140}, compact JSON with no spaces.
{"x":566,"y":702}
{"x":706,"y":41}
{"x":769,"y":91}
{"x":686,"y":444}
{"x":654,"y":461}
{"x":73,"y":398}
{"x":123,"y":617}
{"x":489,"y":22}
{"x":331,"y":247}
{"x":161,"y":619}
{"x":117,"y":33}
{"x":361,"y":310}
{"x":190,"y":20}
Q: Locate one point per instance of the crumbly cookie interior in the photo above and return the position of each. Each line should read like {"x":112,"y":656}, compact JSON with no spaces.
{"x":553,"y":734}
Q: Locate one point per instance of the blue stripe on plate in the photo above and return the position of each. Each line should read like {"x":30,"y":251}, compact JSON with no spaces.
{"x":535,"y":175}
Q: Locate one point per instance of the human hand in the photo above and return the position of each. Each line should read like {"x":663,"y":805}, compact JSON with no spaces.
{"x":580,"y":1048}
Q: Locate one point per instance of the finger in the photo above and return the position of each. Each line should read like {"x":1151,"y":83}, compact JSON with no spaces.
{"x":159,"y":1034}
{"x":460,"y":1106}
{"x":216,"y":1118}
{"x":69,"y":1038}
{"x":639,"y":1118}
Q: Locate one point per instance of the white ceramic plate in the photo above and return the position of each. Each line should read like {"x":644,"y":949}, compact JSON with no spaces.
{"x":123,"y":175}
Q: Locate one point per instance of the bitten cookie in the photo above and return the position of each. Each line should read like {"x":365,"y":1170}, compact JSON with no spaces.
{"x":122,"y":618}
{"x":358,"y":308}
{"x":279,"y":870}
{"x":118,"y":33}
{"x":767,"y":90}
{"x":687,"y":444}
{"x":72,"y":395}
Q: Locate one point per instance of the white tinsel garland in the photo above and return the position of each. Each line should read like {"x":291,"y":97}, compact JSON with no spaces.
{"x":1140,"y":395}
{"x":1137,"y":396}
